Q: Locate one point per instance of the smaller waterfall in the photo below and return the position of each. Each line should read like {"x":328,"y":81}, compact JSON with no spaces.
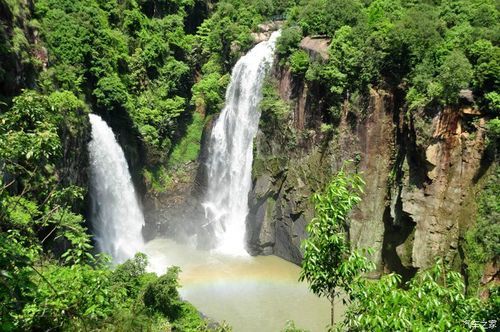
{"x":230,"y":149}
{"x":116,"y":216}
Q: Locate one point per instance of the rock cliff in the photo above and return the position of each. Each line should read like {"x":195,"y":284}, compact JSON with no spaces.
{"x":421,"y":169}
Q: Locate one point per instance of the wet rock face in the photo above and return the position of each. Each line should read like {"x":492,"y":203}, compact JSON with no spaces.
{"x":73,"y":165}
{"x":280,"y":204}
{"x":178,"y":212}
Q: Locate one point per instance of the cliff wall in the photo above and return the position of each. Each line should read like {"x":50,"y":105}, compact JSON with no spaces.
{"x":421,"y":169}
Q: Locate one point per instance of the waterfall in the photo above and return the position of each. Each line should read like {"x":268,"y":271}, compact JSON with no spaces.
{"x":116,"y":216}
{"x":230,"y":150}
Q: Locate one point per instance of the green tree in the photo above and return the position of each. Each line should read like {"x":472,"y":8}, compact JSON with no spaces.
{"x":343,"y":64}
{"x":289,"y":40}
{"x":455,"y":74}
{"x":162,"y":294}
{"x":299,"y":62}
{"x":320,"y":17}
{"x":329,"y":263}
{"x":110,"y":93}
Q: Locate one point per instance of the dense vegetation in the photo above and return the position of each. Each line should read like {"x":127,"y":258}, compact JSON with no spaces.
{"x":433,"y":300}
{"x":429,"y":49}
{"x":137,"y":60}
{"x":156,"y":63}
{"x":163,"y":66}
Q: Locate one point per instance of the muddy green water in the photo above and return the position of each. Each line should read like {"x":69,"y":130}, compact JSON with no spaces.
{"x":252,"y":294}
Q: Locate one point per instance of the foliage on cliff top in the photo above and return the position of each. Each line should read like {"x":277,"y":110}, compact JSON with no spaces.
{"x":431,"y":50}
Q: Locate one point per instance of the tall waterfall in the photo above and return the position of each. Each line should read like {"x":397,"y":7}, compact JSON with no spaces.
{"x":230,"y":149}
{"x":116,"y":216}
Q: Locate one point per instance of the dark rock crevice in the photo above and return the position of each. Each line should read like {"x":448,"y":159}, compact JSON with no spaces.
{"x":398,"y":242}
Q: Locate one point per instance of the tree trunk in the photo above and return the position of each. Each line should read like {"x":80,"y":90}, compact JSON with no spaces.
{"x":332,"y":320}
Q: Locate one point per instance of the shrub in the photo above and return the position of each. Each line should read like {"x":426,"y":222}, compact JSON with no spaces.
{"x":162,"y":295}
{"x":288,"y":41}
{"x":299,"y":62}
{"x":433,"y":300}
{"x":110,"y":93}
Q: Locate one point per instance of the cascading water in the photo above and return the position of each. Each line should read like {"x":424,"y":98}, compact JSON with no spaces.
{"x":116,"y":216}
{"x":230,"y":149}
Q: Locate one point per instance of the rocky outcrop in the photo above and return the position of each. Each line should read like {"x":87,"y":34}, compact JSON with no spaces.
{"x":280,"y":205}
{"x":491,"y":276}
{"x":73,"y":165}
{"x":442,"y":205}
{"x":177,"y":211}
{"x":373,"y":143}
{"x":316,"y":47}
{"x":265,"y":30}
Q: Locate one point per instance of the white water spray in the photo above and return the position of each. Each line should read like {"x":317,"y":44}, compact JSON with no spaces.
{"x":116,"y":216}
{"x":230,"y":149}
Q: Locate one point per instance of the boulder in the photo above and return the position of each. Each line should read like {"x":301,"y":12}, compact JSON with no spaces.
{"x":316,"y":47}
